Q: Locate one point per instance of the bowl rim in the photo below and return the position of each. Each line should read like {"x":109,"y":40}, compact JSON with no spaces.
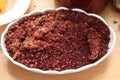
{"x":111,"y":44}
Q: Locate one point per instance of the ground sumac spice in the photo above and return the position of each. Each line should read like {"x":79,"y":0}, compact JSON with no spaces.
{"x":57,"y":40}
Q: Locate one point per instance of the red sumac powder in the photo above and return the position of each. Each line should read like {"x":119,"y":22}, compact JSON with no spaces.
{"x":57,"y":40}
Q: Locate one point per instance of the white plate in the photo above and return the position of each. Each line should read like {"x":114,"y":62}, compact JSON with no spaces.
{"x":20,"y":8}
{"x":111,"y":45}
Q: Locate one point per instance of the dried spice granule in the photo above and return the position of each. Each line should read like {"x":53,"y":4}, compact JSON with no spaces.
{"x":57,"y":40}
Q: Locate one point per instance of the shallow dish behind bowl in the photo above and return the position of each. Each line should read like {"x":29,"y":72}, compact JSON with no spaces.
{"x":111,"y":45}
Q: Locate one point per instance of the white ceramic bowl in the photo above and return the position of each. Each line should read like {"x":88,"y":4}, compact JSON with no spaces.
{"x":15,"y":8}
{"x":111,"y":45}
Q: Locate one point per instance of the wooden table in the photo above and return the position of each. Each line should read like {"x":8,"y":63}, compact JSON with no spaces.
{"x":109,"y":69}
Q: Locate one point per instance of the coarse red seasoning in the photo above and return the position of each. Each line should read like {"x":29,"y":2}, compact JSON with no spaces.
{"x":57,"y":40}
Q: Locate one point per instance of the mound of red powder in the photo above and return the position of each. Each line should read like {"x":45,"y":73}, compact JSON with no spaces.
{"x":57,"y":40}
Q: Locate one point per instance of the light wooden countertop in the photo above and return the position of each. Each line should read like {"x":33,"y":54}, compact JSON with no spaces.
{"x":106,"y":70}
